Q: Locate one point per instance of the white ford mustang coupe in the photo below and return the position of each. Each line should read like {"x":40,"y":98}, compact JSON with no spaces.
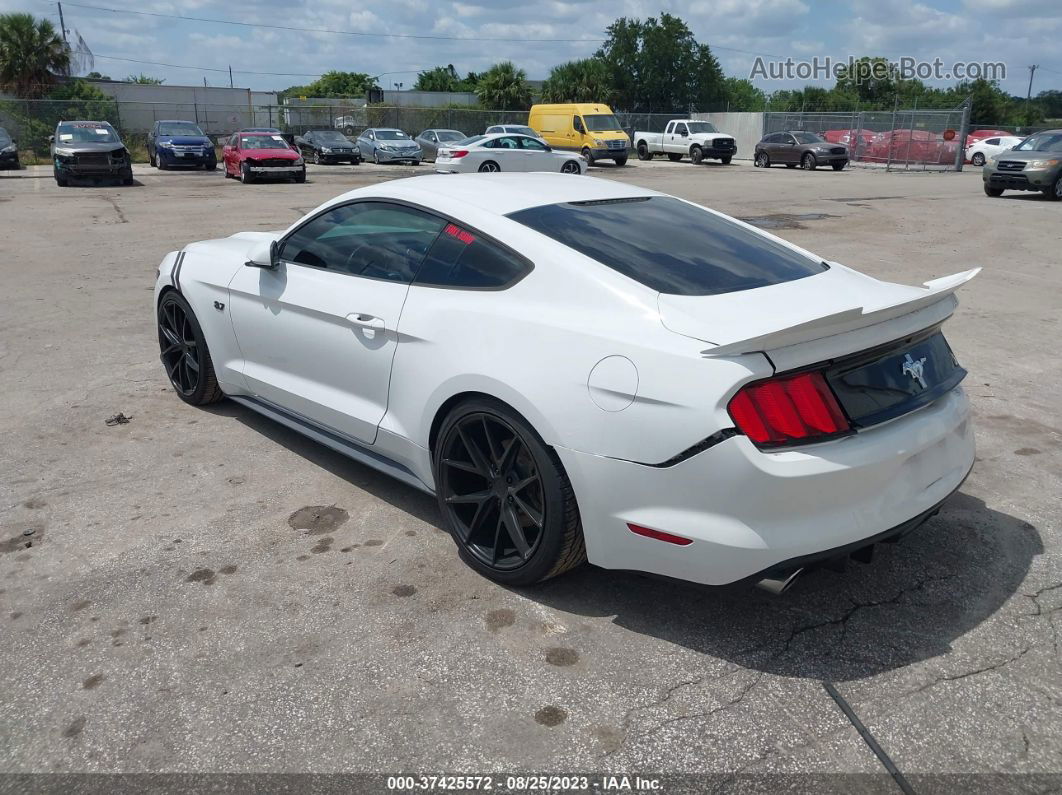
{"x":581,"y":369}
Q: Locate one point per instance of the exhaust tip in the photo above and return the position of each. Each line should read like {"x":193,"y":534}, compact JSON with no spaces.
{"x":779,"y":585}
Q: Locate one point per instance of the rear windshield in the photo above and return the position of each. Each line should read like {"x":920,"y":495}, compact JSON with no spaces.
{"x":669,"y":245}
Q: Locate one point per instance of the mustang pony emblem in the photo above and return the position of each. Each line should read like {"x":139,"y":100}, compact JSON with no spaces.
{"x":915,"y":369}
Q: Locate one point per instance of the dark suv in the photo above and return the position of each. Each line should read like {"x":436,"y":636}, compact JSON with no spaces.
{"x":180,"y":144}
{"x":799,"y":148}
{"x":1034,"y":164}
{"x":89,"y":150}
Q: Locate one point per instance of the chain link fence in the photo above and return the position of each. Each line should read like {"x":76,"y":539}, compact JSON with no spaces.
{"x":30,"y":122}
{"x":906,"y":140}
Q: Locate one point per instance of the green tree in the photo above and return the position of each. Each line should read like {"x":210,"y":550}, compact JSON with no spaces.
{"x":504,"y":87}
{"x":441,"y":78}
{"x":1051,"y":102}
{"x":32,"y":55}
{"x":97,"y":76}
{"x":334,"y":84}
{"x":143,"y":79}
{"x":658,"y":65}
{"x":74,"y":99}
{"x":579,"y":81}
{"x":742,"y":95}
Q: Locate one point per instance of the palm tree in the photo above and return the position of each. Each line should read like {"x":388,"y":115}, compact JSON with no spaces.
{"x":32,"y":55}
{"x":504,"y":87}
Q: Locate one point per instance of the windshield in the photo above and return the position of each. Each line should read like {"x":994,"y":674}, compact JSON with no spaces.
{"x":5,"y":139}
{"x":602,"y":122}
{"x":701,"y":127}
{"x":391,"y":135}
{"x":450,"y":135}
{"x":263,"y":142}
{"x":808,"y":138}
{"x":329,"y":136}
{"x":1041,"y":142}
{"x":85,"y":132}
{"x":180,"y":128}
{"x":670,"y":245}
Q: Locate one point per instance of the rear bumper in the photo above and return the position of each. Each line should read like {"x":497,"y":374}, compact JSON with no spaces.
{"x":748,"y":511}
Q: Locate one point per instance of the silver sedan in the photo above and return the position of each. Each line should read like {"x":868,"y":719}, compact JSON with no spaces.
{"x":501,"y":152}
{"x":429,"y":141}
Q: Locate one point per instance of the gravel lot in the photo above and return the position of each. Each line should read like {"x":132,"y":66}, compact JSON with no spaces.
{"x":169,"y":617}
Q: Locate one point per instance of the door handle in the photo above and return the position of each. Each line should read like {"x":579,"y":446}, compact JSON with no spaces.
{"x":365,"y":320}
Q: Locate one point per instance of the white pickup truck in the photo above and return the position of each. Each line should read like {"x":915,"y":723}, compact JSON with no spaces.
{"x":681,"y":137}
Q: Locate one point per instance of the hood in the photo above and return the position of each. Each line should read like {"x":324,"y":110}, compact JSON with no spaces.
{"x":1027,"y":155}
{"x":238,"y":245}
{"x":830,"y":303}
{"x":270,"y":154}
{"x":186,"y":140}
{"x":89,"y":146}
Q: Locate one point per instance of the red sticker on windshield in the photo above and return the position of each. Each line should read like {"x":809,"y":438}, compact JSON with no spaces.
{"x":455,"y":231}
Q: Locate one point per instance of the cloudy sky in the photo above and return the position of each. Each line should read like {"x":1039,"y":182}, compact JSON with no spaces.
{"x":469,"y":33}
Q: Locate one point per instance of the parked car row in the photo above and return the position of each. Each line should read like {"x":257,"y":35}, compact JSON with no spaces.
{"x":8,"y":150}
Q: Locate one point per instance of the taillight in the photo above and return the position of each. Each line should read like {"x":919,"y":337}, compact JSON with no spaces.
{"x":659,"y":535}
{"x":792,"y":408}
{"x":456,"y":153}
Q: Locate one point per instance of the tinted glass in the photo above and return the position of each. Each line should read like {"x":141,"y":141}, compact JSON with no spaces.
{"x":451,"y":135}
{"x":702,"y":127}
{"x":1041,"y":142}
{"x":5,"y":139}
{"x":669,"y":245}
{"x":372,"y":239}
{"x":462,"y":259}
{"x":992,"y":142}
{"x":80,"y":132}
{"x":808,"y":138}
{"x":329,"y":137}
{"x":602,"y":122}
{"x":504,"y":142}
{"x":680,"y":129}
{"x":533,"y":144}
{"x":516,"y":128}
{"x":180,"y":128}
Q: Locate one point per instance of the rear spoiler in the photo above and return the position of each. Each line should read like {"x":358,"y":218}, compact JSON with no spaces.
{"x":937,"y":291}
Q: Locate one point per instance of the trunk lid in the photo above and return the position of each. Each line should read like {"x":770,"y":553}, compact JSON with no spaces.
{"x":813,"y":319}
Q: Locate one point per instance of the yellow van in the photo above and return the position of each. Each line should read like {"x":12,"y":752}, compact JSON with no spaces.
{"x":583,"y":127}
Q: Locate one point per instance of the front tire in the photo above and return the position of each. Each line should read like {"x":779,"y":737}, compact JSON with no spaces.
{"x":808,"y":162}
{"x":246,"y":177}
{"x":995,"y":193}
{"x":184,"y":352}
{"x":978,"y":159}
{"x":588,"y":155}
{"x":570,"y":167}
{"x":726,"y":160}
{"x":316,"y":158}
{"x":504,"y":496}
{"x":839,"y":166}
{"x":762,"y":161}
{"x":696,"y":155}
{"x":1054,"y":193}
{"x":620,"y":161}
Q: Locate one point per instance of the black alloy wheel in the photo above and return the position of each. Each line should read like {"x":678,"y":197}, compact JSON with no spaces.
{"x":184,"y":352}
{"x":506,"y":500}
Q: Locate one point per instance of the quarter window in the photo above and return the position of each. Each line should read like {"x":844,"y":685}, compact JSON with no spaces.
{"x":371,"y":239}
{"x":460,"y":258}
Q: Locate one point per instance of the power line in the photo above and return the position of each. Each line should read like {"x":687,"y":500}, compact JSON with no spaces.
{"x":328,"y":30}
{"x":238,"y":71}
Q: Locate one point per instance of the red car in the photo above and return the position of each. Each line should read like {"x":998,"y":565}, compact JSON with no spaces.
{"x":257,"y":155}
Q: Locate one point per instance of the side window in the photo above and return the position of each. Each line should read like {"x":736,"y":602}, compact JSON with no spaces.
{"x":462,"y":259}
{"x":670,"y":128}
{"x":577,"y":124}
{"x":533,"y":144}
{"x":376,"y":240}
{"x":503,"y":143}
{"x":233,"y":140}
{"x":992,"y":142}
{"x":680,"y":129}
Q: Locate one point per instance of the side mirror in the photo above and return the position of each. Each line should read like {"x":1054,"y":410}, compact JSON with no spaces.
{"x":265,"y":254}
{"x":51,"y":139}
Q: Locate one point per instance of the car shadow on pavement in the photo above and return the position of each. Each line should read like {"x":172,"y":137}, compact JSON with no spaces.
{"x":906,"y":605}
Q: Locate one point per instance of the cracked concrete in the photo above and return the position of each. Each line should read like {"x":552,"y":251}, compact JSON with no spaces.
{"x":379,"y":651}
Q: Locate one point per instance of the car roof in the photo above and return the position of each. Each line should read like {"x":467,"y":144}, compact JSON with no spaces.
{"x":176,"y":121}
{"x":499,"y":193}
{"x":84,"y":121}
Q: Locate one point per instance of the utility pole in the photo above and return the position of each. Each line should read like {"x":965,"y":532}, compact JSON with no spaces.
{"x":1032,"y":71}
{"x":230,"y":76}
{"x":62,"y":24}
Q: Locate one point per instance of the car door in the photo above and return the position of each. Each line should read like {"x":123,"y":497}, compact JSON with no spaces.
{"x":228,"y":153}
{"x":366,"y":142}
{"x":536,"y":155}
{"x":505,"y":151}
{"x":152,"y":138}
{"x":305,"y":144}
{"x":679,"y":141}
{"x":429,"y":143}
{"x":319,"y":332}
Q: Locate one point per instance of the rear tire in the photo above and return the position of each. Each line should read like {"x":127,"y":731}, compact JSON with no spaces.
{"x":995,"y":193}
{"x":300,"y":178}
{"x":488,"y":167}
{"x":522,"y":496}
{"x":978,"y":159}
{"x":184,"y":352}
{"x":643,"y":151}
{"x":762,"y":161}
